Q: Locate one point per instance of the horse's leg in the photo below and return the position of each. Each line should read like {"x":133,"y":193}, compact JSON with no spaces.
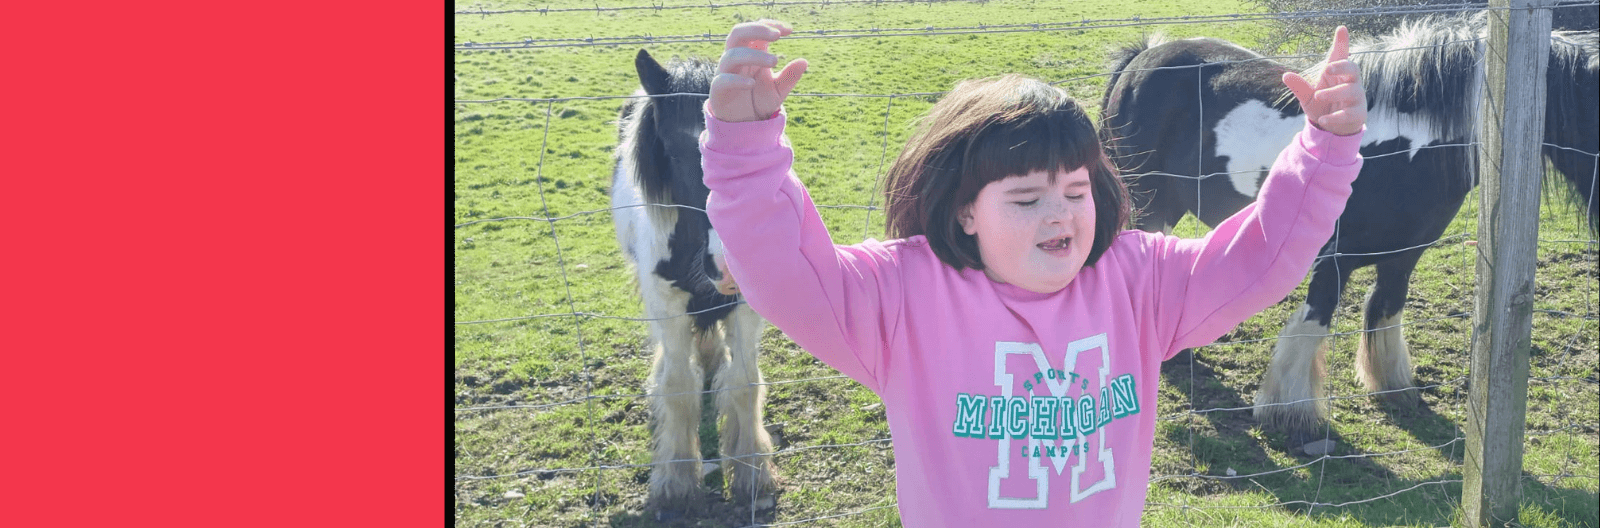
{"x":674,"y":392}
{"x":1382,"y":359}
{"x":1291,"y":398}
{"x":740,"y":397}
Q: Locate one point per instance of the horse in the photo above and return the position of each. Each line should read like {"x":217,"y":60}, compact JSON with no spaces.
{"x":1177,"y":115}
{"x":697,"y":323}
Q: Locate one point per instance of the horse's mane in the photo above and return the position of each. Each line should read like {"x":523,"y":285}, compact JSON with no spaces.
{"x":1574,"y":57}
{"x":1431,"y":68}
{"x":1576,"y":49}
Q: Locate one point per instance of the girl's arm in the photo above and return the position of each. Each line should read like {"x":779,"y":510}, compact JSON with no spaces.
{"x":1257,"y":256}
{"x":829,"y":299}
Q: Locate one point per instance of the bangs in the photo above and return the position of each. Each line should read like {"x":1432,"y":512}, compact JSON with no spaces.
{"x":1041,"y":129}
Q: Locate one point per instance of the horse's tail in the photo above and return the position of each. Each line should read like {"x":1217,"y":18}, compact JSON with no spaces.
{"x":1578,"y":185}
{"x":1121,"y":57}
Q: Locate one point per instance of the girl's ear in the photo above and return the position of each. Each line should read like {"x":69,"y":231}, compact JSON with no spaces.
{"x":967,"y":223}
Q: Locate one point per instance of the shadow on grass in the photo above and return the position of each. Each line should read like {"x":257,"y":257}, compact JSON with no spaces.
{"x":1221,"y":446}
{"x":1574,"y":506}
{"x":1429,"y":427}
{"x":1347,"y":485}
{"x":1437,"y":502}
{"x":714,"y":511}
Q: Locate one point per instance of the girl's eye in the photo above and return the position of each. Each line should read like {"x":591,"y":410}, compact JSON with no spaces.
{"x":1078,"y":198}
{"x":1028,"y":203}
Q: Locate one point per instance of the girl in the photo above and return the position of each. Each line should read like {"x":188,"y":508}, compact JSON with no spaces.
{"x":1014,"y":332}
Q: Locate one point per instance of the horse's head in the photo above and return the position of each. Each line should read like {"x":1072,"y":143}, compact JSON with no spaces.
{"x":667,"y":157}
{"x":672,"y":121}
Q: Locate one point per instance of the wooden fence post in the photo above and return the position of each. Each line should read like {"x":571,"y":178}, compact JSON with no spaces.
{"x":1515,"y":60}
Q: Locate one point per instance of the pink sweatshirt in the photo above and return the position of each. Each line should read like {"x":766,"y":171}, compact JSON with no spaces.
{"x":1008,"y":407}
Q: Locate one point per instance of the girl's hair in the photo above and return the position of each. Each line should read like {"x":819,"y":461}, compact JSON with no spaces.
{"x":988,"y":130}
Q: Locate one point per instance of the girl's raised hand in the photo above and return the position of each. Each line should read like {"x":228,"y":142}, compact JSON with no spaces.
{"x":1334,"y":101}
{"x":745,"y":88}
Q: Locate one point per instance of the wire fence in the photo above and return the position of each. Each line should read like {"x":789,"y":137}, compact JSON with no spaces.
{"x":606,"y":465}
{"x":931,"y":30}
{"x":653,"y":6}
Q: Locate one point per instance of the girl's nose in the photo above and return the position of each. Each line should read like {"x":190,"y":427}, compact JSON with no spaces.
{"x":1060,"y":212}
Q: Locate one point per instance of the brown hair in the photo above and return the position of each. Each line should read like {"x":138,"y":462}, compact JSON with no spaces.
{"x":984,"y":131}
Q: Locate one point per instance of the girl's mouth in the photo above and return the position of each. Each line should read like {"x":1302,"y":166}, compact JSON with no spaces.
{"x":1055,"y":245}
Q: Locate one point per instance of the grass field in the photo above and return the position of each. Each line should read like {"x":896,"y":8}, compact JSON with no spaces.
{"x":563,"y":440}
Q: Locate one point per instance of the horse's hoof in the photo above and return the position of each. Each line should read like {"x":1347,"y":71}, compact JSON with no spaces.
{"x":775,"y":432}
{"x":664,"y":515}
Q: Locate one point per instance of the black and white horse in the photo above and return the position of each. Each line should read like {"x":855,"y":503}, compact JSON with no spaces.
{"x":699,"y":327}
{"x":1195,"y":124}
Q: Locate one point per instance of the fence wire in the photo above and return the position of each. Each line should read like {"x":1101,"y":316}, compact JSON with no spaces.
{"x":1571,"y":428}
{"x":485,"y":11}
{"x":930,"y":30}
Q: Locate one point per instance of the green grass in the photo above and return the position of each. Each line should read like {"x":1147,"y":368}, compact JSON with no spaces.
{"x":544,"y":457}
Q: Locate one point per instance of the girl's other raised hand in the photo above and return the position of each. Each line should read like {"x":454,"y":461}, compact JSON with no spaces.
{"x":1334,"y":100}
{"x":746,"y":89}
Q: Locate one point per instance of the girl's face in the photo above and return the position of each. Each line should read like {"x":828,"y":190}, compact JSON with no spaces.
{"x":1032,"y":233}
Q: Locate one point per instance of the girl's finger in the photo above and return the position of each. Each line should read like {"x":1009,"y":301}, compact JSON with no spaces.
{"x":783,"y":27}
{"x":1346,"y":118}
{"x":757,"y":34}
{"x":1348,"y":94}
{"x":741,"y":60}
{"x":1300,"y":86}
{"x":1340,"y":50}
{"x":789,"y":76}
{"x":1343,"y":69}
{"x":728,"y":84}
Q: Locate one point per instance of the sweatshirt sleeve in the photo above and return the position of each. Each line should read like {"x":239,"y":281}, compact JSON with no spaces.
{"x":1256,"y":257}
{"x":829,"y":299}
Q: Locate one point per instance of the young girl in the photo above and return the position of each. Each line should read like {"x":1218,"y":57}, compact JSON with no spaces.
{"x":1013,"y":330}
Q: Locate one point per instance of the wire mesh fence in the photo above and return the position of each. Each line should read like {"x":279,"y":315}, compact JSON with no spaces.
{"x":551,"y":350}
